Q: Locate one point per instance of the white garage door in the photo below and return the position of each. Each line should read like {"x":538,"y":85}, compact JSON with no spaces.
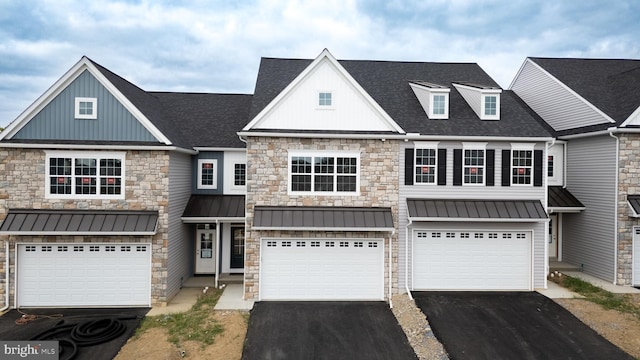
{"x":322,"y":269}
{"x":454,"y":260}
{"x":84,"y":275}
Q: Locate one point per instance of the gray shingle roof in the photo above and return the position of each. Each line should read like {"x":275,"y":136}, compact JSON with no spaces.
{"x":329,"y":218}
{"x":79,"y":222}
{"x":388,"y":83}
{"x":612,"y":85}
{"x":464,"y":210}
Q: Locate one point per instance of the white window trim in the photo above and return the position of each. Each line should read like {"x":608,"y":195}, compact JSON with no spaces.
{"x":484,"y":116}
{"x":325,"y":107}
{"x":425,"y":145}
{"x":521,"y":147}
{"x":215,"y":174}
{"x":475,"y":146}
{"x":84,"y":155}
{"x":316,"y":153}
{"x":432,"y":115}
{"x":93,"y":115}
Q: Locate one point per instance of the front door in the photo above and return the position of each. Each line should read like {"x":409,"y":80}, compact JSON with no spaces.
{"x":237,"y":247}
{"x":553,"y":236}
{"x":205,"y":250}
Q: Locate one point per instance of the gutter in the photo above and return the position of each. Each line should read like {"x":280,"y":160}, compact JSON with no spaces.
{"x":101,"y":147}
{"x":6,"y":277}
{"x":615,"y":202}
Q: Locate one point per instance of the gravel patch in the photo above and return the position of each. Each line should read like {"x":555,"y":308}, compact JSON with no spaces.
{"x":417,"y":329}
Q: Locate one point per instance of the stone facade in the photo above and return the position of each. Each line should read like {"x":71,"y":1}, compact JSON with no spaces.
{"x":628,"y":175}
{"x":146,"y":188}
{"x":267,"y":183}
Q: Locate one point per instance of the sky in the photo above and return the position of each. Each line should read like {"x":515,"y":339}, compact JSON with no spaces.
{"x":216,"y":46}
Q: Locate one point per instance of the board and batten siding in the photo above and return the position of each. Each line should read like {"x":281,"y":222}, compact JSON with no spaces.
{"x":589,"y":237}
{"x":180,"y":242}
{"x":56,"y":121}
{"x":559,"y":107}
{"x":449,"y":191}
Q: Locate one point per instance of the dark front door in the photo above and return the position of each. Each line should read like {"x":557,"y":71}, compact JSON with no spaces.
{"x":237,"y":247}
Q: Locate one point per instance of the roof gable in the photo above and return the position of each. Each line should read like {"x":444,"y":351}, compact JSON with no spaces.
{"x":85,"y":70}
{"x":296,"y":106}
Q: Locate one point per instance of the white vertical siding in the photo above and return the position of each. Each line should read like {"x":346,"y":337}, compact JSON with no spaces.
{"x":471,"y":192}
{"x":589,"y":237}
{"x":178,"y":264}
{"x":558,"y":106}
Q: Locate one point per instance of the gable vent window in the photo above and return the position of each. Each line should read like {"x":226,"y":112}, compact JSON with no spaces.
{"x":86,"y":108}
{"x":325,"y":99}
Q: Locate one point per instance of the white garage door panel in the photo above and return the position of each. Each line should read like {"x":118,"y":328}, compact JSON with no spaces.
{"x":322,"y":270}
{"x":84,"y":274}
{"x":481,"y":261}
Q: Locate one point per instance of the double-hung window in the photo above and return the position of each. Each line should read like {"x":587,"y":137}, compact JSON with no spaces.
{"x":521,"y":164}
{"x":84,"y":175}
{"x":426,"y":163}
{"x":473,"y":166}
{"x":207,"y":174}
{"x":239,"y":174}
{"x":324,"y":173}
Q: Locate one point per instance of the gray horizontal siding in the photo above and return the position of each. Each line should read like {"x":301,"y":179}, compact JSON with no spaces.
{"x":56,"y":121}
{"x":449,"y":191}
{"x":554,"y":103}
{"x":589,"y":237}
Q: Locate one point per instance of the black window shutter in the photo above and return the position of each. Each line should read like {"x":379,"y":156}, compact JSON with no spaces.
{"x":537,"y":168}
{"x":506,"y":167}
{"x":442,"y":166}
{"x":408,"y":166}
{"x":490,"y":166}
{"x":457,"y":167}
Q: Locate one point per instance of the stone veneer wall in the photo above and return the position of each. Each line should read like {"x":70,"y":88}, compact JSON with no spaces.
{"x":267,"y":180}
{"x":22,"y":185}
{"x":628,"y":184}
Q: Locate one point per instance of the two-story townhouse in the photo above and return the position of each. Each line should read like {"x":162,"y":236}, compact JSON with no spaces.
{"x":593,"y":106}
{"x":97,"y":175}
{"x":368,"y":178}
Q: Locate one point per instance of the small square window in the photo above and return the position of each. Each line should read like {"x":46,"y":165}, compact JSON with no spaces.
{"x":86,"y":108}
{"x":325,"y":99}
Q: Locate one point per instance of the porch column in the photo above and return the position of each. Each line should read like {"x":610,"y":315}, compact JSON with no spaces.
{"x":217,"y":262}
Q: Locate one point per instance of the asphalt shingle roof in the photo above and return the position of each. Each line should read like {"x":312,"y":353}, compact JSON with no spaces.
{"x":612,"y":85}
{"x":388,"y":83}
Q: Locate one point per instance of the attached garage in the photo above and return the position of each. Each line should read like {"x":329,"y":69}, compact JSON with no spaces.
{"x":322,"y":269}
{"x":468,"y":260}
{"x":83,"y":274}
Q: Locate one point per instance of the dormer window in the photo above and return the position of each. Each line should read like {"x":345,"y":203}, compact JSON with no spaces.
{"x":433,"y":98}
{"x":86,"y":108}
{"x":325,"y":99}
{"x":490,"y":107}
{"x":484,"y":100}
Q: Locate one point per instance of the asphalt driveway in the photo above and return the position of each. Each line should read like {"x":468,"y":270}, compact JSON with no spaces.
{"x":510,"y":325}
{"x":324,"y":330}
{"x":101,"y":334}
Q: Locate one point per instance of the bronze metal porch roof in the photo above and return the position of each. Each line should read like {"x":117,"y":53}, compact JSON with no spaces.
{"x":323,"y":218}
{"x":79,"y":222}
{"x":475,"y":210}
{"x":561,"y":200}
{"x":203,"y":208}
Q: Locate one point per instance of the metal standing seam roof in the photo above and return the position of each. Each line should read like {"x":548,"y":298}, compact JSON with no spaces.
{"x":323,"y":218}
{"x":561,"y":200}
{"x":79,"y":222}
{"x":634,"y":203}
{"x":478,"y":210}
{"x":212,"y":207}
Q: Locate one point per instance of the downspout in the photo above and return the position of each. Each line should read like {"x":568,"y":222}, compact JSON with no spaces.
{"x":615,"y":218}
{"x":390,"y":269}
{"x":6,"y":277}
{"x":546,"y":206}
{"x":217,"y":275}
{"x":406,"y":257}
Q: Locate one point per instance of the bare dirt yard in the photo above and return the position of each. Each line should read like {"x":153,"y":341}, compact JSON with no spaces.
{"x":620,"y":328}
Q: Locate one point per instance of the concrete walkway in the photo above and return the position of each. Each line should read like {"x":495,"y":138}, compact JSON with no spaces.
{"x":555,"y":291}
{"x":231,"y":299}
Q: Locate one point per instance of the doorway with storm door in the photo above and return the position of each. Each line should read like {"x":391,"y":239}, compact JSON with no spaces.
{"x":205,"y":249}
{"x":237,"y":248}
{"x":553,"y":237}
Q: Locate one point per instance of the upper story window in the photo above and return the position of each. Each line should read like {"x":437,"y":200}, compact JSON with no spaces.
{"x":84,"y":175}
{"x":207,"y":174}
{"x":473,"y":165}
{"x":331,"y":173}
{"x":439,"y":106}
{"x":325,"y":99}
{"x":86,"y":108}
{"x":490,"y":107}
{"x":239,"y":174}
{"x":521,"y":167}
{"x":550,"y":166}
{"x":425,"y":165}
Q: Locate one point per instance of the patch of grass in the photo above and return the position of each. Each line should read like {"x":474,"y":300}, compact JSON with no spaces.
{"x":608,"y":300}
{"x":196,"y":324}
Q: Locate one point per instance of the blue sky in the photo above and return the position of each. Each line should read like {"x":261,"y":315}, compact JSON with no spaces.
{"x":215,"y":46}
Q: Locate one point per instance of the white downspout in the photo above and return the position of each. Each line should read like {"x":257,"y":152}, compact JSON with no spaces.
{"x":615,"y":202}
{"x":390,"y":269}
{"x":546,"y":206}
{"x":6,"y":277}
{"x":406,"y":256}
{"x":217,"y":275}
